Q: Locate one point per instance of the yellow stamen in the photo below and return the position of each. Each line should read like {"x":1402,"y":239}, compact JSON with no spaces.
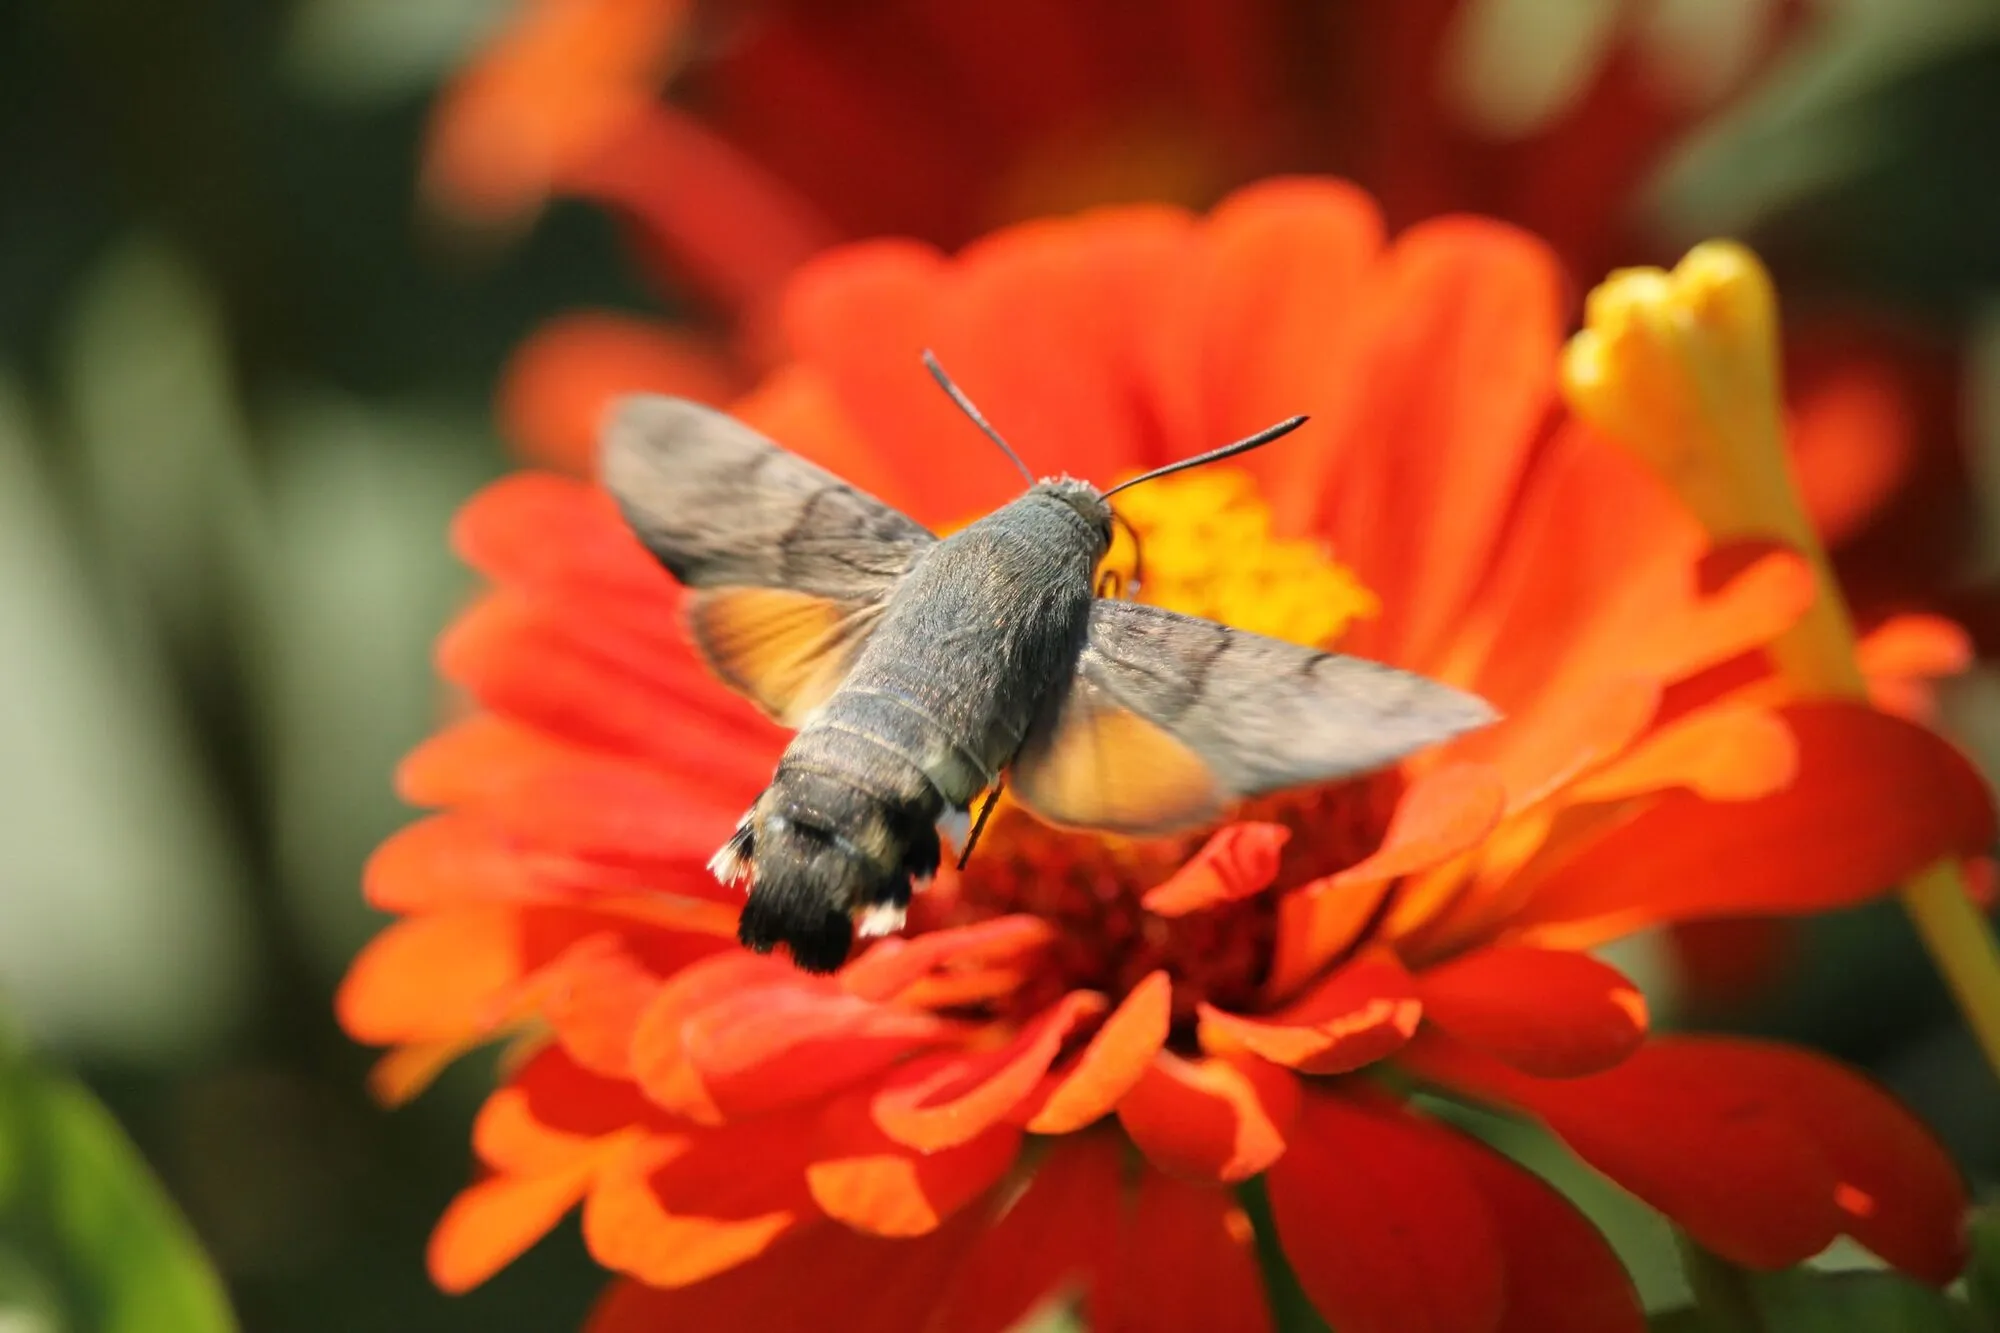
{"x":1208,"y":550}
{"x":1682,"y":368}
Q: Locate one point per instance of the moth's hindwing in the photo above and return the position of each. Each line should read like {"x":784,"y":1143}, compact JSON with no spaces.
{"x":787,"y":652}
{"x":1259,"y":715}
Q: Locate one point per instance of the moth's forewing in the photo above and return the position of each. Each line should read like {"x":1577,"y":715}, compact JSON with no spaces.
{"x":1260,"y":714}
{"x":721,"y":506}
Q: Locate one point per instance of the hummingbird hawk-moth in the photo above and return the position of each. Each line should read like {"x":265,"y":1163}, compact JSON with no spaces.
{"x":919,"y":672}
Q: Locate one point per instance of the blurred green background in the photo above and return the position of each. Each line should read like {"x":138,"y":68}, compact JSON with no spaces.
{"x":243,"y":384}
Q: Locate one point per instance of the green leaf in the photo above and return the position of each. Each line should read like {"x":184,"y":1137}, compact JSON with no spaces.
{"x":1982,"y":1274}
{"x":1813,"y":1302}
{"x":88,"y":1240}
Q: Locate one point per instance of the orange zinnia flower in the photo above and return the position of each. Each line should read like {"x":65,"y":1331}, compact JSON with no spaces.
{"x":1046,"y":1088}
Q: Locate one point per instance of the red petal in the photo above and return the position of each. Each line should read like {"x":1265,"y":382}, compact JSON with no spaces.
{"x":1450,"y":390}
{"x":864,"y":1178}
{"x":1898,"y":1190}
{"x":826,"y":1278}
{"x":1442,"y":813}
{"x":1384,"y":1228}
{"x":1562,"y":1276}
{"x":1185,"y":1265}
{"x":1725,"y":1162}
{"x":963,"y":1096}
{"x":1118,"y":1054}
{"x":443,"y":861}
{"x":1360,"y":1014}
{"x":729,"y":225}
{"x":595,"y":1005}
{"x":891,"y":966}
{"x":556,"y":386}
{"x":1057,"y":1239}
{"x":1090,"y":289}
{"x":1280,"y":266}
{"x":1238,"y":861}
{"x":557,"y":536}
{"x":1222,"y":1118}
{"x":1552,"y":1014}
{"x":1876,"y":799}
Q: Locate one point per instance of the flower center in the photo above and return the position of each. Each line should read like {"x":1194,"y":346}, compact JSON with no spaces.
{"x":1205,"y":548}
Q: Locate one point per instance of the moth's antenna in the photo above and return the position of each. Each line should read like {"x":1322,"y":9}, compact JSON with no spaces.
{"x":1257,"y":441}
{"x":965,"y":405}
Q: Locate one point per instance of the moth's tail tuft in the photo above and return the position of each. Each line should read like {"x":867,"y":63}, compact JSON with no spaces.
{"x":732,"y":863}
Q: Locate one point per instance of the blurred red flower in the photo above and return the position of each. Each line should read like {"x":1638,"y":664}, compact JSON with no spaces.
{"x":1046,"y":1089}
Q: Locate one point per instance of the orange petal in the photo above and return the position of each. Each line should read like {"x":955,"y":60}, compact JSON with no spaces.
{"x":1876,"y":799}
{"x":432,"y":976}
{"x":864,"y":1178}
{"x":1119,"y":1052}
{"x":1443,"y":813}
{"x":964,"y":1096}
{"x":675,"y":1214}
{"x":1317,"y":923}
{"x":492,"y":1223}
{"x":1220,"y":1118}
{"x":629,"y":1230}
{"x":556,"y":386}
{"x":1186,"y":1264}
{"x":1360,"y":1014}
{"x":1382,"y":1225}
{"x":1915,"y":645}
{"x":1551,"y":1014}
{"x":1725,"y":1162}
{"x":1724,"y":752}
{"x":1238,"y":861}
{"x":546,"y":92}
{"x":1557,"y":737}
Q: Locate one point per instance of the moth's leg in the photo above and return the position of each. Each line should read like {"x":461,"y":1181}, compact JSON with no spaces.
{"x":972,"y":839}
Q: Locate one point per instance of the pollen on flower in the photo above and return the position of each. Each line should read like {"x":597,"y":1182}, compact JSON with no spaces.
{"x":1208,"y":550}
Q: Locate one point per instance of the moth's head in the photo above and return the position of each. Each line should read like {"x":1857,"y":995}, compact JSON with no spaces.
{"x":1083,"y":499}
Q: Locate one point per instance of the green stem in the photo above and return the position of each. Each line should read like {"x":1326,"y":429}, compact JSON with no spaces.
{"x":1721,"y":1290}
